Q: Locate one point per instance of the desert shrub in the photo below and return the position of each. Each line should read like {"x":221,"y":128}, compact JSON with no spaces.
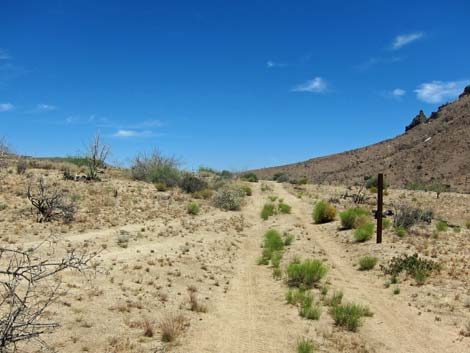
{"x":194,"y":303}
{"x":272,"y":198}
{"x":265,"y":187}
{"x":418,"y":268}
{"x":251,"y":177}
{"x":349,"y":217}
{"x":297,"y":296}
{"x":324,"y":212}
{"x":367,"y":263}
{"x":50,"y":203}
{"x":349,"y":315}
{"x":21,"y":166}
{"x":281,"y":177}
{"x":467,"y":224}
{"x":161,"y":187}
{"x":247,"y":190}
{"x":284,"y":208}
{"x":276,"y":258}
{"x":204,"y":194}
{"x":307,"y":273}
{"x":442,"y":226}
{"x":364,"y":232}
{"x":171,"y":326}
{"x":156,"y":168}
{"x":273,"y":245}
{"x":193,"y":208}
{"x":305,"y":345}
{"x":408,"y":216}
{"x":3,"y":206}
{"x":229,"y":198}
{"x":269,"y":209}
{"x":190,"y":183}
{"x":372,"y":183}
{"x":123,"y":240}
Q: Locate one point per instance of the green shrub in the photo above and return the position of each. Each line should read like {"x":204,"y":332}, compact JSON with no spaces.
{"x":335,"y":299}
{"x":324,"y":212}
{"x":3,"y":206}
{"x":467,"y":224}
{"x":400,"y":231}
{"x":281,"y":177}
{"x":273,"y":247}
{"x":204,"y":194}
{"x":307,"y":273}
{"x":396,"y":290}
{"x":349,"y":315}
{"x":268,"y":211}
{"x":418,"y":268}
{"x":191,"y":183}
{"x":251,"y":177}
{"x":193,"y":208}
{"x":349,"y":217}
{"x":310,"y":311}
{"x":305,"y":345}
{"x":298,"y":296}
{"x":367,"y":263}
{"x":229,"y":199}
{"x":156,"y":168}
{"x":442,"y":226}
{"x":247,"y":190}
{"x":284,"y":208}
{"x":364,"y":232}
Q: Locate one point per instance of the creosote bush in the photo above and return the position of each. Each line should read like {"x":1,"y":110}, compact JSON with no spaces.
{"x":156,"y":168}
{"x":191,"y":183}
{"x":349,"y":315}
{"x":367,"y":263}
{"x":408,"y":216}
{"x":307,"y":273}
{"x":350,"y":217}
{"x":251,"y":177}
{"x":229,"y":198}
{"x":364,"y":232}
{"x":324,"y":212}
{"x":418,"y":268}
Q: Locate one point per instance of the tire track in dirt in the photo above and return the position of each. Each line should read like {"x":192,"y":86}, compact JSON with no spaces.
{"x":395,"y":327}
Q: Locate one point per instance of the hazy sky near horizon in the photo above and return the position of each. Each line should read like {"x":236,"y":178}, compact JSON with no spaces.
{"x":227,"y":84}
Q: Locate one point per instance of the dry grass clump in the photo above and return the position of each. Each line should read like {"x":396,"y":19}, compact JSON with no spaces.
{"x":194,"y":303}
{"x":171,"y":326}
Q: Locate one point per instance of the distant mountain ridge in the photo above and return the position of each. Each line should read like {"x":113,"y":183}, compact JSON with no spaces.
{"x":434,"y":149}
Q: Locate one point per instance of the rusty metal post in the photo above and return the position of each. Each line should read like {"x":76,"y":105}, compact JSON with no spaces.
{"x":380,"y":193}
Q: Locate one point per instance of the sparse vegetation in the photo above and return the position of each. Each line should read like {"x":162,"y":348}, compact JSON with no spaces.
{"x":350,"y":216}
{"x":273,"y":245}
{"x":171,"y":326}
{"x":251,"y":177}
{"x":305,"y":345}
{"x":269,"y":209}
{"x":229,"y":198}
{"x":324,"y":212}
{"x":418,"y":268}
{"x":408,"y":216}
{"x":442,"y":226}
{"x":307,"y":273}
{"x":156,"y":168}
{"x":367,"y":263}
{"x":364,"y":232}
{"x":191,"y":183}
{"x":284,"y":208}
{"x":349,"y":315}
{"x":193,"y":208}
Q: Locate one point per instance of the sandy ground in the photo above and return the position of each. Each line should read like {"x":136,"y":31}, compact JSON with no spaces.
{"x":137,"y":283}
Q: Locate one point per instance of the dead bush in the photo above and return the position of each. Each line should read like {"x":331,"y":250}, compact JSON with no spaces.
{"x":171,"y":326}
{"x":50,"y":204}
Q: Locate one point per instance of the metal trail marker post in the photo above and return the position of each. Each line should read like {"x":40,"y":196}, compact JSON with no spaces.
{"x":380,"y":193}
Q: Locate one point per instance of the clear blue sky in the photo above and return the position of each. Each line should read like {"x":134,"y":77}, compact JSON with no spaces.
{"x":228,"y":84}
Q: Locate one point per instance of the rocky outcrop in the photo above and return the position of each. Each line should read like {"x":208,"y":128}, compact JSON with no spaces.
{"x":466,"y":92}
{"x":419,"y":119}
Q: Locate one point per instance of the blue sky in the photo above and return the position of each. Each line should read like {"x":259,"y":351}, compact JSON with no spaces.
{"x":228,"y":84}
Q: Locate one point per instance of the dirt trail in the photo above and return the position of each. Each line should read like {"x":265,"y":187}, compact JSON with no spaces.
{"x":395,"y":326}
{"x":253,"y":317}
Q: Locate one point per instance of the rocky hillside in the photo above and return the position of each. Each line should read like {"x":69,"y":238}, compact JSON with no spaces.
{"x":434,"y":149}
